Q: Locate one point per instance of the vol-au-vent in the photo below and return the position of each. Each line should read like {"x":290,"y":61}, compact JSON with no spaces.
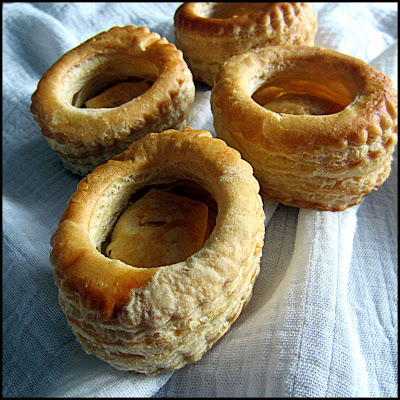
{"x":319,"y":127}
{"x":211,"y":33}
{"x":109,"y":91}
{"x":158,"y":249}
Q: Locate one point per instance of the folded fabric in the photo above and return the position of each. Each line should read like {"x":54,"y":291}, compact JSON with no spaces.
{"x":322,"y":321}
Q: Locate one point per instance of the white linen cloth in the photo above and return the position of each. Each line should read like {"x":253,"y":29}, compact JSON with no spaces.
{"x":323,"y":318}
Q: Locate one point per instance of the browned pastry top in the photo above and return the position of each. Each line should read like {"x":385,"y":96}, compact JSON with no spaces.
{"x":346,"y":82}
{"x":121,"y":51}
{"x":220,"y":19}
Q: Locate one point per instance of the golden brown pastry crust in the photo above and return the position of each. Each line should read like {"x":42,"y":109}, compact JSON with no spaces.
{"x":210,"y":33}
{"x":154,"y":319}
{"x":87,"y":137}
{"x":327,"y":161}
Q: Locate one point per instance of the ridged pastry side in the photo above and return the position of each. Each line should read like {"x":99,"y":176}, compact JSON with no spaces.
{"x":208,"y":39}
{"x":83,"y":165}
{"x":329,"y":162}
{"x":87,"y":137}
{"x":173,"y":345}
{"x":155,"y":319}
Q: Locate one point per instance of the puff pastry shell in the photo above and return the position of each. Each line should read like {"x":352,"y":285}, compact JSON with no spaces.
{"x":329,"y":160}
{"x":210,"y":33}
{"x":155,"y":319}
{"x":87,"y":137}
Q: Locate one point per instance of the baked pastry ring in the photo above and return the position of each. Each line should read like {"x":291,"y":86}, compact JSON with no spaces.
{"x":159,"y":318}
{"x":87,"y":132}
{"x":210,"y":33}
{"x":327,"y":140}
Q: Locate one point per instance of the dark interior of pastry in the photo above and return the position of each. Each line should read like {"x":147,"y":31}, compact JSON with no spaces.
{"x":162,"y":225}
{"x":305,"y":96}
{"x":112,"y":85}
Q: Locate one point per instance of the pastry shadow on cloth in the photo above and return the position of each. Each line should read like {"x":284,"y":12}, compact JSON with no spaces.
{"x":388,"y":190}
{"x":275,"y":260}
{"x":42,"y":180}
{"x":275,"y":263}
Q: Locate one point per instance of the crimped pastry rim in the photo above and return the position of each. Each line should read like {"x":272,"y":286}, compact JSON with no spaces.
{"x":209,"y":42}
{"x":79,"y":267}
{"x":187,"y":19}
{"x":106,"y":125}
{"x":368,"y":111}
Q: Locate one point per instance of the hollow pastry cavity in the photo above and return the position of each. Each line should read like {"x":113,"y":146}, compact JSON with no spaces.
{"x":319,"y":127}
{"x":110,"y":91}
{"x":159,"y":318}
{"x":210,"y":33}
{"x":159,"y":229}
